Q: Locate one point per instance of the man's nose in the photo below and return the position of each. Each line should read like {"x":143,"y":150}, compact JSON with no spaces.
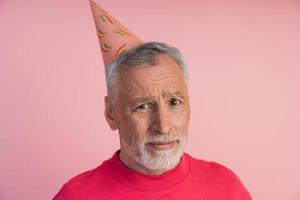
{"x":162,"y":122}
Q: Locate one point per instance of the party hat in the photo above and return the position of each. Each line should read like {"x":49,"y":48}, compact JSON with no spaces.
{"x":114,"y":38}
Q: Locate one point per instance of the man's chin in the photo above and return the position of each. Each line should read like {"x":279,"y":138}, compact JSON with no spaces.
{"x":160,"y":159}
{"x":161,"y":153}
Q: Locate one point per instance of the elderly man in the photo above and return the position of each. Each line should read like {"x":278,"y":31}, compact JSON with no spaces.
{"x":148,"y":104}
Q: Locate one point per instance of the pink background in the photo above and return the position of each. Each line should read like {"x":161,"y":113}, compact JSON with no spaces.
{"x":244,"y":86}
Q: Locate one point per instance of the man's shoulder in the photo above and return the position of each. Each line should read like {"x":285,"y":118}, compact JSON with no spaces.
{"x":209,"y":167}
{"x":218,"y":177}
{"x":81,"y":183}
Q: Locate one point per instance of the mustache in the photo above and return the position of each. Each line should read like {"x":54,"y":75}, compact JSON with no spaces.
{"x":164,"y":138}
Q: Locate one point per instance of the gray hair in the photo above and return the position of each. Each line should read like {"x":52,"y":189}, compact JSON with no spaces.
{"x":144,"y":54}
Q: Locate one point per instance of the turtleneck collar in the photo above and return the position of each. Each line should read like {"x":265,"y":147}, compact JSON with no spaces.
{"x":137,"y":180}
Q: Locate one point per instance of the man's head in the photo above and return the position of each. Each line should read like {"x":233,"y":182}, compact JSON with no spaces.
{"x":149,"y":105}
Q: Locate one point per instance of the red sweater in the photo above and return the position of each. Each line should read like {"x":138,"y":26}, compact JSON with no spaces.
{"x":192,"y":179}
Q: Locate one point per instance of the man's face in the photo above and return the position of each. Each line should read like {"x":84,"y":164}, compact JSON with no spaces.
{"x":152,"y":114}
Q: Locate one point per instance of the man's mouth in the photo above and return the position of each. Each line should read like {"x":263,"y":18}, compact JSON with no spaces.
{"x":162,"y":145}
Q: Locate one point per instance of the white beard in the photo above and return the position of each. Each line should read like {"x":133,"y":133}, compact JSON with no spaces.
{"x":158,"y":160}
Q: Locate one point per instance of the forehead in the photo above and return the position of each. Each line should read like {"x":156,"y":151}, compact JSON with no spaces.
{"x":166,"y":77}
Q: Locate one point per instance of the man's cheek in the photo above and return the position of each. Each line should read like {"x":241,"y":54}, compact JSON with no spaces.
{"x":180,"y":121}
{"x":140,"y":128}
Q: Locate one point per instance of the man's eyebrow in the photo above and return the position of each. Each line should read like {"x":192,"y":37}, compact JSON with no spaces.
{"x":141,"y":100}
{"x":166,"y":94}
{"x":173,"y":94}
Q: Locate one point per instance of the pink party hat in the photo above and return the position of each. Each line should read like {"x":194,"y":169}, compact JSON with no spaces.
{"x":114,"y":38}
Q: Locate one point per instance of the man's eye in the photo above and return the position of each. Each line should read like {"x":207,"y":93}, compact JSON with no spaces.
{"x":174,"y":102}
{"x":143,"y":107}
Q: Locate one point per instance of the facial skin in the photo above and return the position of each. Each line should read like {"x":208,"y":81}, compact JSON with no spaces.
{"x":152,"y":115}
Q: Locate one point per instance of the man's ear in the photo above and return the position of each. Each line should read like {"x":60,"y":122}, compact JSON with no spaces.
{"x":109,"y":114}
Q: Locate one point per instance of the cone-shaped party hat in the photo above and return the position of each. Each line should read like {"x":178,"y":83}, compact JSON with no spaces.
{"x":114,"y":38}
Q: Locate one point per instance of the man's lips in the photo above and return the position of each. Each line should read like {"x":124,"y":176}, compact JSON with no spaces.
{"x":162,"y":145}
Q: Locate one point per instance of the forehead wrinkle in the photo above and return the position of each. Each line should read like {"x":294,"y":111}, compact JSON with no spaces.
{"x":157,"y":79}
